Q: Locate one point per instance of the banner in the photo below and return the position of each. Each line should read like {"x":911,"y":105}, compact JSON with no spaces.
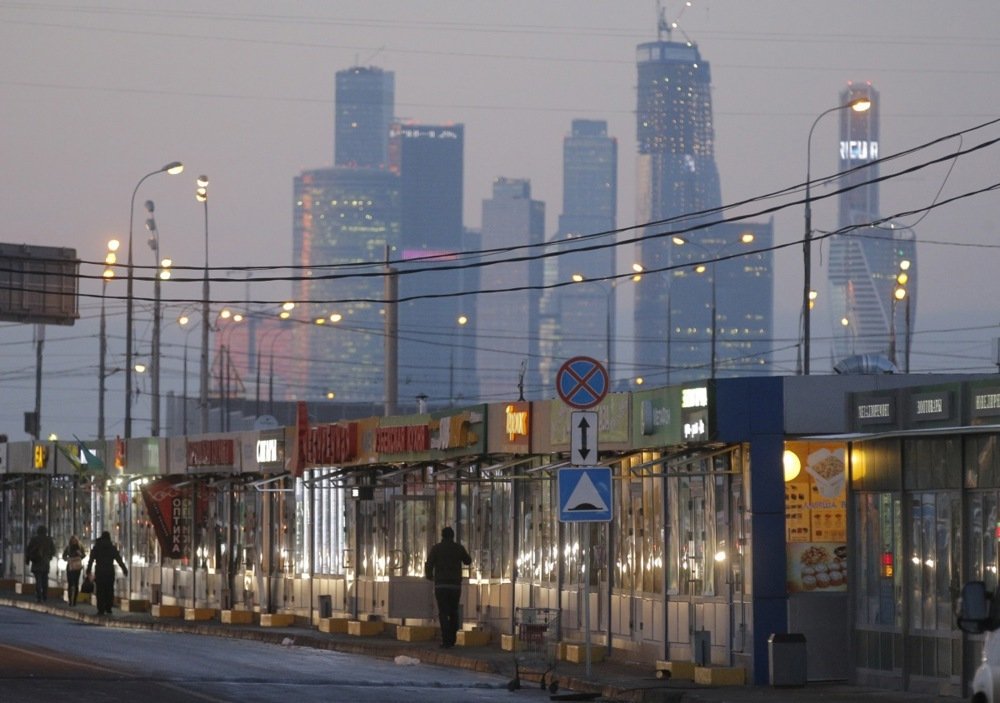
{"x":169,"y":509}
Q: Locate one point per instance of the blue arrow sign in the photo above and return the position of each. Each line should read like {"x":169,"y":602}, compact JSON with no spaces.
{"x":585,"y":494}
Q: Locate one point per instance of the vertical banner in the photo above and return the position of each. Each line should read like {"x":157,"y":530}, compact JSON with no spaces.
{"x":169,"y":509}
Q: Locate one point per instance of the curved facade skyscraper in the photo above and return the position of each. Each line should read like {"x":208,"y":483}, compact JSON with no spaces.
{"x":864,"y":262}
{"x":676,"y":336}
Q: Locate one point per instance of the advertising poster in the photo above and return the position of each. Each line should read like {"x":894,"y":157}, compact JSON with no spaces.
{"x":816,"y":517}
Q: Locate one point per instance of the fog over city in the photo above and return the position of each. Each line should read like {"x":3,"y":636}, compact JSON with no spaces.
{"x":97,"y":94}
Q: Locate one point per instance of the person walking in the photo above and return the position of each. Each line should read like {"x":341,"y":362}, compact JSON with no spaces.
{"x":73,"y":554}
{"x":40,"y":551}
{"x":444,"y":568}
{"x":105,"y":553}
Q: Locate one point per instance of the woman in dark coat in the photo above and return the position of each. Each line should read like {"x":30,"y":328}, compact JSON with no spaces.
{"x":105,"y":553}
{"x":73,"y":554}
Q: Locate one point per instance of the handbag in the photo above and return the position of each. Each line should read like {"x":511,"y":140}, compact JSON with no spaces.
{"x":87,"y":586}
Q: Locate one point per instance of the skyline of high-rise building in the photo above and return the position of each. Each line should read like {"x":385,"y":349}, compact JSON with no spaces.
{"x":580,"y":319}
{"x":436,"y":333}
{"x":676,"y":337}
{"x":364,"y":100}
{"x":508,"y":309}
{"x":864,"y":262}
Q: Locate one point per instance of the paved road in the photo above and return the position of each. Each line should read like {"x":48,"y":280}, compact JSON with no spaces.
{"x":45,"y":659}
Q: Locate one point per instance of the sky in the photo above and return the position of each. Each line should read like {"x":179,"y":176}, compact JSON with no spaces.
{"x":98,"y":94}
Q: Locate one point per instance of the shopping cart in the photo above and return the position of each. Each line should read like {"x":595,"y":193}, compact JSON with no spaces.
{"x":536,"y":646}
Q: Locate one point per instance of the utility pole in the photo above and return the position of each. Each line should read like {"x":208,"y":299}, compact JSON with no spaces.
{"x":391,"y":294}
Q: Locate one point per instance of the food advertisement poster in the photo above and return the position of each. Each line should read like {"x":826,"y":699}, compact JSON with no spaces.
{"x":816,"y":517}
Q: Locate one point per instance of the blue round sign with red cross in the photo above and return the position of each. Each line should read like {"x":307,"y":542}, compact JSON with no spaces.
{"x":582,"y":382}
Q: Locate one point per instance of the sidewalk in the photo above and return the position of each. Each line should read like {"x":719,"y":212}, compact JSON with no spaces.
{"x":616,"y":681}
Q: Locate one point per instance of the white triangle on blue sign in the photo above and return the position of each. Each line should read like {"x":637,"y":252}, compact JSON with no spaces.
{"x":585,"y":497}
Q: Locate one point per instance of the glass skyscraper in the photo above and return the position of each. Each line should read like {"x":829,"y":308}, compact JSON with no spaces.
{"x":678,"y":193}
{"x":864,"y":260}
{"x":579,"y":319}
{"x":364,"y":100}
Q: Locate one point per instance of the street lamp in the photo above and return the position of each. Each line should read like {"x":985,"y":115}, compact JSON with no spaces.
{"x":746,"y":237}
{"x":173,"y":168}
{"x":859,"y":104}
{"x":110,"y":259}
{"x":899,"y":294}
{"x":609,"y":308}
{"x":162,"y":274}
{"x":462,"y":321}
{"x":201,"y":195}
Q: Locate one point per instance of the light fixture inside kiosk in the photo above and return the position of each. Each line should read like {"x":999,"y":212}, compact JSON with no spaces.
{"x":792,"y":465}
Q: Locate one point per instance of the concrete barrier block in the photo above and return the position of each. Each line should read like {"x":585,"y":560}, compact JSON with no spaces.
{"x":472,"y":638}
{"x":333,"y":625}
{"x":683,"y":670}
{"x":364,"y":628}
{"x":277,"y":619}
{"x":577,"y":653}
{"x":415,"y":633}
{"x":167,"y":611}
{"x":237,"y":617}
{"x":198,"y":614}
{"x":720,"y":675}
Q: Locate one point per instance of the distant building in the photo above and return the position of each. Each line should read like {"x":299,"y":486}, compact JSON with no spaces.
{"x":346,"y":221}
{"x":678,"y":193}
{"x":865,"y":262}
{"x":580,"y":319}
{"x":436,"y":334}
{"x":363,"y":114}
{"x":508,"y":321}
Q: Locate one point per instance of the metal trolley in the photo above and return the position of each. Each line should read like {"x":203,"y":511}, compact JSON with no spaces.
{"x":536,"y":646}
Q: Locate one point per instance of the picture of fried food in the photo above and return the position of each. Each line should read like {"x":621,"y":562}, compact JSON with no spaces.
{"x":814,"y":555}
{"x":829,"y":467}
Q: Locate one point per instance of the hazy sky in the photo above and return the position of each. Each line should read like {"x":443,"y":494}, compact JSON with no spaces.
{"x":97,"y":94}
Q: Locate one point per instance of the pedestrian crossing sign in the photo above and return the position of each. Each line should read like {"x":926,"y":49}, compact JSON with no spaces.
{"x":585,"y":494}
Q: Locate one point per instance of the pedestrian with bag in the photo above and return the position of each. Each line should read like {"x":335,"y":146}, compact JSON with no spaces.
{"x":106,"y":554}
{"x":73,"y":554}
{"x":444,"y":568}
{"x":40,"y":551}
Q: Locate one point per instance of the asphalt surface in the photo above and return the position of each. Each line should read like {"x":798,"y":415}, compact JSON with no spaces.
{"x":607,"y":681}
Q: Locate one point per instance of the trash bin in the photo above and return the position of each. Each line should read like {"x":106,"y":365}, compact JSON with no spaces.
{"x":786,"y":657}
{"x":326,"y":606}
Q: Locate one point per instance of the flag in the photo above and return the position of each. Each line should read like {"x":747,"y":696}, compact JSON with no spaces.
{"x":90,"y":460}
{"x":68,"y":453}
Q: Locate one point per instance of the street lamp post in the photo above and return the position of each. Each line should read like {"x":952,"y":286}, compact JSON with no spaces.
{"x":860,"y":104}
{"x":746,"y":237}
{"x":640,"y":271}
{"x":201,"y":195}
{"x":900,"y":294}
{"x":608,"y":319}
{"x":173,"y":168}
{"x":162,"y":274}
{"x":110,"y":258}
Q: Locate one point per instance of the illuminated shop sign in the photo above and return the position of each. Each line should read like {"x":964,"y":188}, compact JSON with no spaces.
{"x":858,"y":150}
{"x":211,"y":452}
{"x":516,"y":422}
{"x":653,"y":417}
{"x":694,"y":397}
{"x":694,"y":413}
{"x":326,"y":445}
{"x":986,"y":402}
{"x":402,"y":439}
{"x":875,"y":410}
{"x":926,"y":407}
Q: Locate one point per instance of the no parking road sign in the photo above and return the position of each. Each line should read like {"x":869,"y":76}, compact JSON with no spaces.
{"x":582,"y":382}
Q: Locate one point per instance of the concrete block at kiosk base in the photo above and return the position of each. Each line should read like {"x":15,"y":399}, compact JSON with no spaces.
{"x":720,"y":675}
{"x":24,"y":587}
{"x":237,"y":617}
{"x":675,"y":670}
{"x":7,"y":584}
{"x":333,"y":625}
{"x":576,"y":653}
{"x":472,"y":638}
{"x":364,"y":628}
{"x":508,"y":643}
{"x":277,"y":619}
{"x":415,"y":633}
{"x":200,"y":613}
{"x":168,"y":611}
{"x":134,"y":605}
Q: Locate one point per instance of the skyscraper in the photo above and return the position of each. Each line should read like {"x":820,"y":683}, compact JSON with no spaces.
{"x":864,"y":262}
{"x":579,"y":319}
{"x":678,"y":191}
{"x":346,"y":220}
{"x":364,"y":102}
{"x":436,"y":337}
{"x":507,"y":352}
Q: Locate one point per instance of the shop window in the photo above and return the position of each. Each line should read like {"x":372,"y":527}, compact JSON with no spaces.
{"x":935,"y":536}
{"x":984,"y":535}
{"x":878,"y":574}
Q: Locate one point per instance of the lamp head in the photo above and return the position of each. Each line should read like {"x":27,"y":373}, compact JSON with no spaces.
{"x":862,"y":104}
{"x":173,"y":168}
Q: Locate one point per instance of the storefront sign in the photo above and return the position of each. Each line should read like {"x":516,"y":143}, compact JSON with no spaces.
{"x":326,"y":445}
{"x":927,"y":407}
{"x":986,"y":402}
{"x":457,"y":431}
{"x":211,"y":453}
{"x":402,"y":439}
{"x":694,"y":414}
{"x":874,"y":410}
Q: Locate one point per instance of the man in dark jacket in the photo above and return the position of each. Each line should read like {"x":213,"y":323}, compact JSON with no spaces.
{"x":40,"y":551}
{"x":444,"y":568}
{"x":105,"y":553}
